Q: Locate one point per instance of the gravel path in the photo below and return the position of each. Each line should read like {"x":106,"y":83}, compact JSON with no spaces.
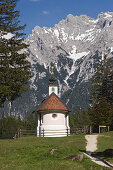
{"x":91,"y":143}
{"x":91,"y":147}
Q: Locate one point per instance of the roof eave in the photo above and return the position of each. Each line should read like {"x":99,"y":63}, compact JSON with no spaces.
{"x":53,"y":111}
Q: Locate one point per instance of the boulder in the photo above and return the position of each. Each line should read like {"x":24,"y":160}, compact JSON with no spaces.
{"x":78,"y":157}
{"x":52,"y":151}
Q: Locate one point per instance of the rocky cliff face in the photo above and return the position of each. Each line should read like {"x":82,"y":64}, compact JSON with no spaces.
{"x":74,"y":46}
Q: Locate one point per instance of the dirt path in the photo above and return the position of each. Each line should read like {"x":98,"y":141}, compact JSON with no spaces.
{"x":91,"y":143}
{"x":91,"y":147}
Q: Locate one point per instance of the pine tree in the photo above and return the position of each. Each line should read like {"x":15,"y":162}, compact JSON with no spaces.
{"x":14,"y":66}
{"x":82,"y":118}
{"x":101,"y":111}
{"x":29,"y":123}
{"x":101,"y":114}
{"x":102,"y":82}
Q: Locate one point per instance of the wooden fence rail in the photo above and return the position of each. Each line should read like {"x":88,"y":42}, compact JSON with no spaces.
{"x":82,"y":130}
{"x":56,"y":132}
{"x":21,"y":133}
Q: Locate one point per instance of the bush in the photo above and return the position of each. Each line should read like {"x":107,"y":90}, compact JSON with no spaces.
{"x":72,"y":123}
{"x":101,"y":114}
{"x":29,"y":123}
{"x":82,"y":118}
{"x":8,"y":127}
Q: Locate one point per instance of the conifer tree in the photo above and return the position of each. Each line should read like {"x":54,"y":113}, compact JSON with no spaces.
{"x":101,"y":114}
{"x":101,"y":111}
{"x":102,"y":82}
{"x":14,"y":66}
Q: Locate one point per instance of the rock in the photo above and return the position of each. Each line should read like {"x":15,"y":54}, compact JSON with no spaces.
{"x":52,"y":151}
{"x":78,"y":157}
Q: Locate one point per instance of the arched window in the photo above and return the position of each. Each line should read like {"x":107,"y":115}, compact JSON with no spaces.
{"x":53,"y":89}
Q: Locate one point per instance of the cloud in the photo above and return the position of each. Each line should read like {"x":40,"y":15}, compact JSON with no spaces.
{"x":34,"y":0}
{"x":45,"y":12}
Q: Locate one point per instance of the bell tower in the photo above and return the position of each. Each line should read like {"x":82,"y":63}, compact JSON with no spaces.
{"x":52,"y":84}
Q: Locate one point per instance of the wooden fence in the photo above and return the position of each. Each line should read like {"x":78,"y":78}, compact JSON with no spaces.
{"x":52,"y":133}
{"x":21,"y":133}
{"x":42,"y":133}
{"x":81,"y":130}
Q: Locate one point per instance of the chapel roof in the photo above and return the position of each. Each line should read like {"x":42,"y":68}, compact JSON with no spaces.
{"x":53,"y":102}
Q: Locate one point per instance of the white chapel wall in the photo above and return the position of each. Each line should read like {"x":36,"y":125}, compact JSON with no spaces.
{"x":48,"y":119}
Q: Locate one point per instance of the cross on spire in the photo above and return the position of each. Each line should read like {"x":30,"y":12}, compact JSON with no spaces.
{"x":52,"y":69}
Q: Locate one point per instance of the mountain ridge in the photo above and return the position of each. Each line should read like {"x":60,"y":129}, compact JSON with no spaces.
{"x":75,"y":46}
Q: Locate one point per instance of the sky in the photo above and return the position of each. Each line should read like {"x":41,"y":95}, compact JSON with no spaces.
{"x":47,"y":13}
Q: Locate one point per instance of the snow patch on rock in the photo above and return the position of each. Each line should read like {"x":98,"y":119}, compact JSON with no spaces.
{"x":107,"y":15}
{"x":42,"y":75}
{"x":64,"y":35}
{"x":56,"y":33}
{"x":75,"y":56}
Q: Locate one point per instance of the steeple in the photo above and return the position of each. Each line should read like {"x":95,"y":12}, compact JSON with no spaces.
{"x":53,"y":84}
{"x":52,"y":79}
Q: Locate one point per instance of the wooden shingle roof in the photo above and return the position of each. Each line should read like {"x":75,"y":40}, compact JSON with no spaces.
{"x":53,"y":102}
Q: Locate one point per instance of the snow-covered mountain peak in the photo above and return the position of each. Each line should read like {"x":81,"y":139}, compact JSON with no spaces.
{"x":74,"y":37}
{"x":74,"y":46}
{"x":105,"y":15}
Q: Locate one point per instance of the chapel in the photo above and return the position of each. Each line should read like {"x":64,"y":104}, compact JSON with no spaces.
{"x":52,"y":116}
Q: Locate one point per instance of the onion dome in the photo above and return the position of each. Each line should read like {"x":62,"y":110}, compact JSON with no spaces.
{"x":52,"y":80}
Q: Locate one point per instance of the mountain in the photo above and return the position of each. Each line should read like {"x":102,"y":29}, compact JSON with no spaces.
{"x":74,"y":47}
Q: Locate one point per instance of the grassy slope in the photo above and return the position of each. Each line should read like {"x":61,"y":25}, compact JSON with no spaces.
{"x":32,"y":153}
{"x":105,"y":141}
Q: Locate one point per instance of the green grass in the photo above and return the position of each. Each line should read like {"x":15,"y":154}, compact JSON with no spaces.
{"x":105,"y":141}
{"x":33,"y":153}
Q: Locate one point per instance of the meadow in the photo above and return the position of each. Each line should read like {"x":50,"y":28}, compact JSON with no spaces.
{"x":33,"y":153}
{"x":105,"y":141}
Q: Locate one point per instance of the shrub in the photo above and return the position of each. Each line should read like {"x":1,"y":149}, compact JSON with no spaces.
{"x":8,"y":127}
{"x":29,"y":123}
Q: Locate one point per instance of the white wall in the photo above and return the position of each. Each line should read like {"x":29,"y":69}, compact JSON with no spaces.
{"x":50,"y":90}
{"x":53,"y":127}
{"x":49,"y":120}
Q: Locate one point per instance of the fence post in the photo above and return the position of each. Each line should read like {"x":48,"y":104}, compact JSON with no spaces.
{"x":108,"y":128}
{"x":67,"y":131}
{"x":84,"y":130}
{"x":39,"y":131}
{"x":90,"y":129}
{"x":43,"y":132}
{"x":20,"y":133}
{"x":99,"y":129}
